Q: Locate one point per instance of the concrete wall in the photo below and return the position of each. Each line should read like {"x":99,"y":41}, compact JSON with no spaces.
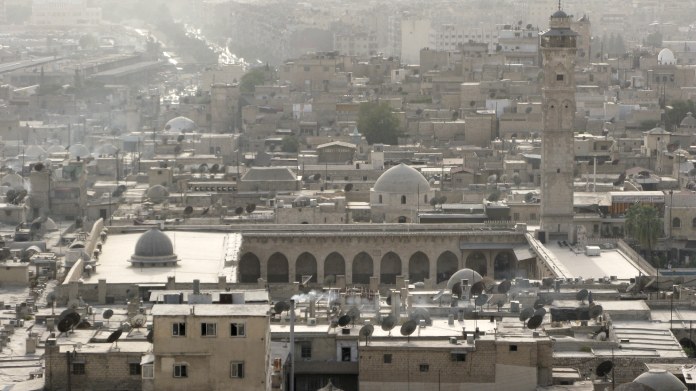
{"x":14,"y":273}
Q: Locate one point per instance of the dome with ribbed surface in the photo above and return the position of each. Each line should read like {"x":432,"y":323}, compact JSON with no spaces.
{"x":660,"y":379}
{"x":401,"y":179}
{"x":688,"y":122}
{"x":154,"y":248}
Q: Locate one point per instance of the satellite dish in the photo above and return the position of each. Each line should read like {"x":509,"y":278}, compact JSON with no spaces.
{"x":581,"y":295}
{"x":67,"y":320}
{"x":139,"y":321}
{"x":114,"y":336}
{"x":354,"y":314}
{"x":333,"y":324}
{"x":366,"y":331}
{"x":504,"y":287}
{"x":498,"y":300}
{"x":541,"y":311}
{"x":51,"y":298}
{"x":526,"y":314}
{"x":604,"y":368}
{"x":150,"y":336}
{"x":281,"y":307}
{"x":481,"y":299}
{"x":539,"y":303}
{"x":534,"y":321}
{"x":408,"y":328}
{"x":478,"y":288}
{"x":344,"y":320}
{"x":107,"y":314}
{"x":188,"y":210}
{"x":595,"y":311}
{"x":438,"y":295}
{"x":388,"y":300}
{"x":125,"y":326}
{"x":388,"y":323}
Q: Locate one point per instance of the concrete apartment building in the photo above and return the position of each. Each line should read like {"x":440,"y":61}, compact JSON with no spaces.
{"x":211,"y":347}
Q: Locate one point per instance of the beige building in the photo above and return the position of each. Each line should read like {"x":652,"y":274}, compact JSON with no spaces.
{"x":398,"y":195}
{"x":186,"y":336}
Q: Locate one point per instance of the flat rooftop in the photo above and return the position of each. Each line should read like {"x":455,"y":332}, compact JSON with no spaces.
{"x":202,"y":256}
{"x":211,"y":309}
{"x":608,"y":263}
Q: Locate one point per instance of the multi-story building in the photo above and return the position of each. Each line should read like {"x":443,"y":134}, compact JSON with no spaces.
{"x":64,"y":13}
{"x":358,"y":44}
{"x":211,"y":347}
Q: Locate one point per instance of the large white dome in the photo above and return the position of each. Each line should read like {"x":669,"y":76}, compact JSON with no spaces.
{"x":666,"y":57}
{"x":401,"y":179}
{"x":180,"y":125}
{"x":660,"y":379}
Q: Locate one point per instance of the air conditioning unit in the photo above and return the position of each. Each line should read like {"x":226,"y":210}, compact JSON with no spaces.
{"x":312,"y":321}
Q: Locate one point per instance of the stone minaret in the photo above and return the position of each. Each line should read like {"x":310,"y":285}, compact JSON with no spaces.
{"x":558,"y":48}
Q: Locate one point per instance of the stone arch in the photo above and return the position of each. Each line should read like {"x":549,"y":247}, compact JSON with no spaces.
{"x":447,"y":264}
{"x":363,"y":268}
{"x":249,"y":268}
{"x":504,"y":266}
{"x":334,"y":265}
{"x":278,"y":268}
{"x":418,"y":267}
{"x":477,"y":262}
{"x":306,"y":265}
{"x":390,"y":267}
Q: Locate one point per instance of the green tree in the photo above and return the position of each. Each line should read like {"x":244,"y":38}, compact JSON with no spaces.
{"x":290,"y":144}
{"x":643,"y":224}
{"x":377,"y":122}
{"x":252,"y":79}
{"x":654,"y":39}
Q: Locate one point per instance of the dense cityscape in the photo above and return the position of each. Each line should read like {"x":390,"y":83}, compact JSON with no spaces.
{"x":360,"y":196}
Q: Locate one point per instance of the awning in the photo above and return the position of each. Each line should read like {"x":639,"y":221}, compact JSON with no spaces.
{"x":147,"y":359}
{"x":523,"y":252}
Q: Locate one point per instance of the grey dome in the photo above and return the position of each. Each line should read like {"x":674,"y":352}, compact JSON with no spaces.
{"x":78,"y":150}
{"x":402,"y":179}
{"x":12,"y":180}
{"x":559,"y":15}
{"x":180,"y":125}
{"x":154,"y":247}
{"x":35,"y":152}
{"x":464,"y":274}
{"x":660,"y":379}
{"x":689,"y":121}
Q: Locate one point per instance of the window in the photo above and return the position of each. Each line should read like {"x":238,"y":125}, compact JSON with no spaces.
{"x":237,"y":330}
{"x":460,"y":357}
{"x":208,"y":329}
{"x":380,"y":199}
{"x":693,"y":223}
{"x":237,"y":369}
{"x":180,"y":370}
{"x":78,"y":368}
{"x":345,"y":354}
{"x":179,"y":329}
{"x":135,"y":369}
{"x":513,"y":348}
{"x":403,"y":199}
{"x":148,"y":371}
{"x":387,"y":358}
{"x":676,"y":222}
{"x":559,"y":77}
{"x":306,"y":350}
{"x":424,"y":367}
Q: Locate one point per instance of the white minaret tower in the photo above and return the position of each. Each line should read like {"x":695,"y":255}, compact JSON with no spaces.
{"x":558,"y":48}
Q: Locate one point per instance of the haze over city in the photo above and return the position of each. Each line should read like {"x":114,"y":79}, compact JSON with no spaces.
{"x":360,"y":196}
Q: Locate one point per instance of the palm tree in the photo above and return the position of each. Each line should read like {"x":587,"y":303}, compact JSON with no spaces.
{"x":643,"y":225}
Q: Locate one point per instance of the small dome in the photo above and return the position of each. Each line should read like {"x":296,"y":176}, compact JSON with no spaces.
{"x":657,"y":130}
{"x":34,"y":152}
{"x":401,"y":179}
{"x":688,"y":122}
{"x":559,"y":15}
{"x":78,"y":150}
{"x":154,"y":247}
{"x":666,"y":57}
{"x":157,"y":194}
{"x":12,"y":180}
{"x":660,"y":379}
{"x":180,"y":125}
{"x":464,"y":274}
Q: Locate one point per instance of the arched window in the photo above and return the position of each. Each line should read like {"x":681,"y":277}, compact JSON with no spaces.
{"x":403,"y":199}
{"x":676,"y":222}
{"x":380,"y":198}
